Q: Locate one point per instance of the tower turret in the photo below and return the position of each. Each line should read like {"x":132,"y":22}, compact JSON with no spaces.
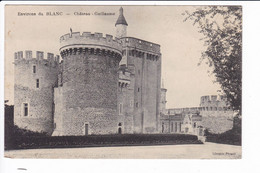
{"x":121,"y":25}
{"x":35,"y":79}
{"x":89,"y":84}
{"x":163,"y":99}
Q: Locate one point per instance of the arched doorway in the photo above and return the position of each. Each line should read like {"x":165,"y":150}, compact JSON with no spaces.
{"x":120,"y":130}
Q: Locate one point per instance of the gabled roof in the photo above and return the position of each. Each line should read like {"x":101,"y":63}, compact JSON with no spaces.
{"x":121,"y":18}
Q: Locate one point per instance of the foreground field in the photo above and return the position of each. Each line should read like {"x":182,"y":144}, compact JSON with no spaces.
{"x":192,"y":151}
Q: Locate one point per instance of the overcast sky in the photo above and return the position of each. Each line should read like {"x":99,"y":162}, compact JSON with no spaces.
{"x":181,"y":48}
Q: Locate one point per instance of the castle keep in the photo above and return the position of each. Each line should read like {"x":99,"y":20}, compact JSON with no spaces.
{"x":102,"y":85}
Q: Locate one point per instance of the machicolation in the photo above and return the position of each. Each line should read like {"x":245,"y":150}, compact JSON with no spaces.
{"x":88,"y":40}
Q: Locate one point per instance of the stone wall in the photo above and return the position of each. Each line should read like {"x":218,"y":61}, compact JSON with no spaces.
{"x":228,"y":113}
{"x":89,"y":88}
{"x":151,"y":84}
{"x":214,"y":102}
{"x":218,"y":124}
{"x":146,"y":59}
{"x":215,"y":112}
{"x":99,"y":121}
{"x":121,"y":31}
{"x":39,"y":99}
{"x":217,"y":116}
{"x":59,"y":111}
{"x":175,"y":123}
{"x":163,"y":101}
{"x":139,"y":44}
{"x":126,"y":100}
{"x":87,"y":39}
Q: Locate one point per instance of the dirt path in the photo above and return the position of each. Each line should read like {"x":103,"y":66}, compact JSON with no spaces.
{"x":206,"y":151}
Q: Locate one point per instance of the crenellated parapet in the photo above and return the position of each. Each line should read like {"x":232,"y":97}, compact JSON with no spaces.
{"x":193,"y":110}
{"x":213,"y":98}
{"x":34,"y":80}
{"x":76,"y":43}
{"x":141,"y":45}
{"x":214,"y":101}
{"x":27,"y":57}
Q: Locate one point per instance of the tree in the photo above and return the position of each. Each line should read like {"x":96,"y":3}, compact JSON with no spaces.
{"x":221,"y":28}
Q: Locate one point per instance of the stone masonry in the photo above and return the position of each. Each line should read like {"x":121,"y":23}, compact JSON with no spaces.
{"x":35,"y":79}
{"x":102,"y":85}
{"x":214,"y":114}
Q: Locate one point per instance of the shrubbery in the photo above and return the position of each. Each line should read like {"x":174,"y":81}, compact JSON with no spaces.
{"x":16,"y":138}
{"x":24,"y":142}
{"x":12,"y":132}
{"x":232,"y":136}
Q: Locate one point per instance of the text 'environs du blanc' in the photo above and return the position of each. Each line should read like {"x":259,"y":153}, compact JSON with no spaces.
{"x":62,"y":13}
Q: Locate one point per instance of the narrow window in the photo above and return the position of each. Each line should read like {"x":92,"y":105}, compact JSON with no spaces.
{"x":139,"y":72}
{"x":37,"y":83}
{"x":162,"y":127}
{"x":92,"y":51}
{"x":176,"y":126}
{"x":138,"y":89}
{"x":136,"y":104}
{"x":25,"y":108}
{"x":86,"y":129}
{"x":34,"y":69}
{"x":120,"y":108}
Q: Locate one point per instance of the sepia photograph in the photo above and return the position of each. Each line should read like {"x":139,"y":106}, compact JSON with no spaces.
{"x":123,"y":82}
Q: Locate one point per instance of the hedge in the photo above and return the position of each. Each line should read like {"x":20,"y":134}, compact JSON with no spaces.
{"x":232,"y":137}
{"x":34,"y":142}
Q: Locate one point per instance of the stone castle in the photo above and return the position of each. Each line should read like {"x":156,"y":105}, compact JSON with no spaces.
{"x":100,"y":85}
{"x":213,"y":113}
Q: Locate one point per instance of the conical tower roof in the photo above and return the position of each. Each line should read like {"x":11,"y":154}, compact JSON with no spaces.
{"x":121,"y":18}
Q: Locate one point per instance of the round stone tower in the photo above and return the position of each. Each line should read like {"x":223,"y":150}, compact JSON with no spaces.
{"x":89,"y":83}
{"x":121,"y":25}
{"x":35,"y":79}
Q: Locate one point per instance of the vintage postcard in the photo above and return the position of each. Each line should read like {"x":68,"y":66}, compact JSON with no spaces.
{"x":123,"y":82}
